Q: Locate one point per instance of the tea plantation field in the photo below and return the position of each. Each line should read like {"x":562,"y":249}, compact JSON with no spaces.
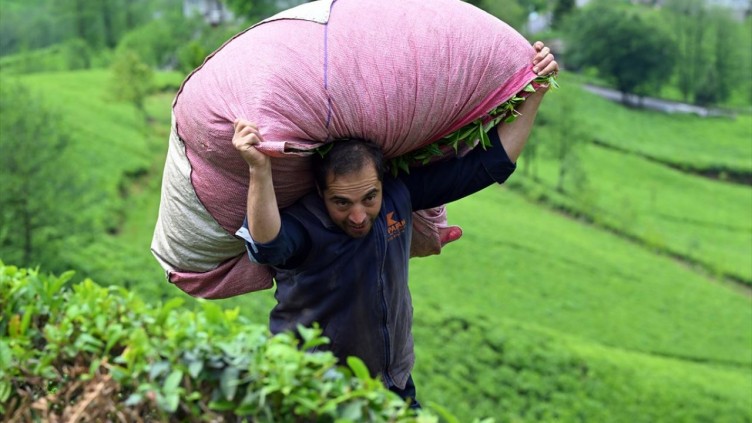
{"x":122,"y":157}
{"x":635,"y":311}
{"x":642,"y":183}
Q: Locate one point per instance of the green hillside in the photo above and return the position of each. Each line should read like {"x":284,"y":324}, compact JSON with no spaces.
{"x":517,"y":260}
{"x":489,"y":365}
{"x":686,"y":141}
{"x":533,"y":315}
{"x":635,"y":185}
{"x":122,"y":157}
{"x":574,"y":297}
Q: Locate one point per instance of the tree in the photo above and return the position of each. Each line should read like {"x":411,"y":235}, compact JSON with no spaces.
{"x":688,"y":18}
{"x":627,"y":48}
{"x":39,"y":190}
{"x":34,"y":24}
{"x":566,"y":146}
{"x":711,"y":49}
{"x":509,"y":11}
{"x":561,"y":10}
{"x":255,"y":10}
{"x":132,"y":79}
{"x":562,"y":137}
{"x":530,"y":155}
{"x":722,"y":59}
{"x":534,"y":5}
{"x":726,"y":57}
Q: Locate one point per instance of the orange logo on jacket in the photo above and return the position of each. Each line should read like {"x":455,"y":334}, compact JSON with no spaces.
{"x":395,"y":228}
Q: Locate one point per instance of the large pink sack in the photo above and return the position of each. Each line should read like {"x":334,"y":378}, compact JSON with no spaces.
{"x":403,"y":73}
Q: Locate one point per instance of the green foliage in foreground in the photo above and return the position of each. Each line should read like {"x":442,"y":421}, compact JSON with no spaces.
{"x":99,"y":352}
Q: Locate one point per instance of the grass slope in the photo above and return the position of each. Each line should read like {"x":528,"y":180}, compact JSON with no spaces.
{"x":707,"y":221}
{"x":519,"y":261}
{"x":686,"y":141}
{"x":643,"y":178}
{"x":517,"y":372}
{"x":643,"y":324}
{"x":122,"y":156}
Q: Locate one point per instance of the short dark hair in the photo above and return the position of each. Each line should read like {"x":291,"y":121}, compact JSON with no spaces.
{"x":347,"y":156}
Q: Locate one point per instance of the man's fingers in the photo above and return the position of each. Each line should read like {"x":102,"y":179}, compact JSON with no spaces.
{"x":252,"y":139}
{"x":551,"y":67}
{"x":545,"y":62}
{"x":247,"y":135}
{"x":542,"y":54}
{"x":247,"y":130}
{"x":247,"y":146}
{"x":239,"y":124}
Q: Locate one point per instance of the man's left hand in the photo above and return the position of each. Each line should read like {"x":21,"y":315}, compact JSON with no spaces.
{"x":544,"y":63}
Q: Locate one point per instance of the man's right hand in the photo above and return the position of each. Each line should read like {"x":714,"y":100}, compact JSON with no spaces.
{"x":245,"y":140}
{"x":262,"y":213}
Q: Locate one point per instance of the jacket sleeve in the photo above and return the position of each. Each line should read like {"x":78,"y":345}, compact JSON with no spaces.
{"x":450,"y":180}
{"x":291,"y":244}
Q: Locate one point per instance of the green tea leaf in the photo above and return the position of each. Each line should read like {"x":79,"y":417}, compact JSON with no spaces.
{"x":168,"y":402}
{"x":443,"y":413}
{"x":194,"y":369}
{"x":223,"y":405}
{"x":173,"y":381}
{"x":485,"y":140}
{"x":229,"y":382}
{"x":134,"y":399}
{"x":353,"y":411}
{"x":5,"y":390}
{"x":358,"y":367}
{"x":159,"y":368}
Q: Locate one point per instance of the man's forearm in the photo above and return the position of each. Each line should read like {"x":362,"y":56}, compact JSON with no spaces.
{"x":514,"y":135}
{"x":262,"y":212}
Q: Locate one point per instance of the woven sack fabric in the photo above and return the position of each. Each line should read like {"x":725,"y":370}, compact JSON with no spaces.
{"x":403,"y":73}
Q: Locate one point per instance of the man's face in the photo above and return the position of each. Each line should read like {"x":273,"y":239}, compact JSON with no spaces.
{"x":354,"y":200}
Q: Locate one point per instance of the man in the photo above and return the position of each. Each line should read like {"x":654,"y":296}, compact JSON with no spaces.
{"x":341,"y":254}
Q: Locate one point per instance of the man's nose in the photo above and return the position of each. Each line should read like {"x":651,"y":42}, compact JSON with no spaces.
{"x":358,"y":215}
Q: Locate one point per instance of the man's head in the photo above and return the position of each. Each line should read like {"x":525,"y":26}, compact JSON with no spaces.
{"x":349,"y":179}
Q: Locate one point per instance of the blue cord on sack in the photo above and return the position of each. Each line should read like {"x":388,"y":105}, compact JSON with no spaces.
{"x":326,"y":72}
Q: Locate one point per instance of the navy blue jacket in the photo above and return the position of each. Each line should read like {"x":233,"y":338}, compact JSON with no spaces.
{"x":356,"y":288}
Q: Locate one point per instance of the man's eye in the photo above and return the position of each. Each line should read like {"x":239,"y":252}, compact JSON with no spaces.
{"x":340,"y":203}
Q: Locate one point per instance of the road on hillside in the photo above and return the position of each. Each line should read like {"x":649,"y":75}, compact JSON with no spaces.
{"x":656,"y":103}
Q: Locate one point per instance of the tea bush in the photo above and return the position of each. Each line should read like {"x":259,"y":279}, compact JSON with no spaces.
{"x":69,"y":351}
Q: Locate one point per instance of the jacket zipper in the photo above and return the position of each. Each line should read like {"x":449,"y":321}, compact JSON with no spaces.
{"x":385,"y":319}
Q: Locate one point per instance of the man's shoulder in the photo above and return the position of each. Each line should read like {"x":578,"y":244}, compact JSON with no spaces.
{"x":308,"y":208}
{"x":395,"y":187}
